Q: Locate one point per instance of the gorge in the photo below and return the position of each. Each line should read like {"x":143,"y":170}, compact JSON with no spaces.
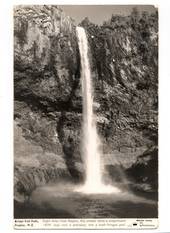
{"x":48,"y":109}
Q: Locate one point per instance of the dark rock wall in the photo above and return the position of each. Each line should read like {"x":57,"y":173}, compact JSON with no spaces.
{"x":47,"y":91}
{"x":46,"y":76}
{"x":124,"y":61}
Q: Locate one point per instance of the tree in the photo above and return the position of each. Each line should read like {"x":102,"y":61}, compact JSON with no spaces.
{"x":135,"y":17}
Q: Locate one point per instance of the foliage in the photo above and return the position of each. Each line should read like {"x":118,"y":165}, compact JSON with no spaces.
{"x":124,"y":54}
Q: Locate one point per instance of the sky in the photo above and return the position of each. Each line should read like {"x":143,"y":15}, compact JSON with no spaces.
{"x":98,"y":13}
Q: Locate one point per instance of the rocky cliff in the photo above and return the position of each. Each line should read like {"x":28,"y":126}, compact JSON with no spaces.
{"x":48,"y":101}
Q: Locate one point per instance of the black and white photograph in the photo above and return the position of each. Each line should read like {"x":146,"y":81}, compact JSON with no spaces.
{"x":85,"y":111}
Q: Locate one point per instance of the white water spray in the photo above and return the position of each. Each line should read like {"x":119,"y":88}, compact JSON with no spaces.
{"x":91,"y":142}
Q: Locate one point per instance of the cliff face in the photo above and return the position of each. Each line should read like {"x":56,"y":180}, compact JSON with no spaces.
{"x":46,"y":75}
{"x":124,"y":63}
{"x":48,"y":101}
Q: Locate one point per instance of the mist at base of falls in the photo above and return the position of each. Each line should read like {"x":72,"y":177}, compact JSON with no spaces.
{"x":101,"y":189}
{"x":62,"y":201}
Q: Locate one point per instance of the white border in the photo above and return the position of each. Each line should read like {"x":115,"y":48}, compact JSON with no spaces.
{"x":6,"y":108}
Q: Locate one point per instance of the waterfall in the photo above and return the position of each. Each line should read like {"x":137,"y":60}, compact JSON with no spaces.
{"x":90,"y":139}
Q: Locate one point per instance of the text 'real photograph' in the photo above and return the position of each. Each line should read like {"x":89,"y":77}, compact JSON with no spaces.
{"x":85,"y":113}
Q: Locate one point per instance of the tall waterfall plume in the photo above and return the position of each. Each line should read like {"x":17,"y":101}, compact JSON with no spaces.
{"x":90,"y":140}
